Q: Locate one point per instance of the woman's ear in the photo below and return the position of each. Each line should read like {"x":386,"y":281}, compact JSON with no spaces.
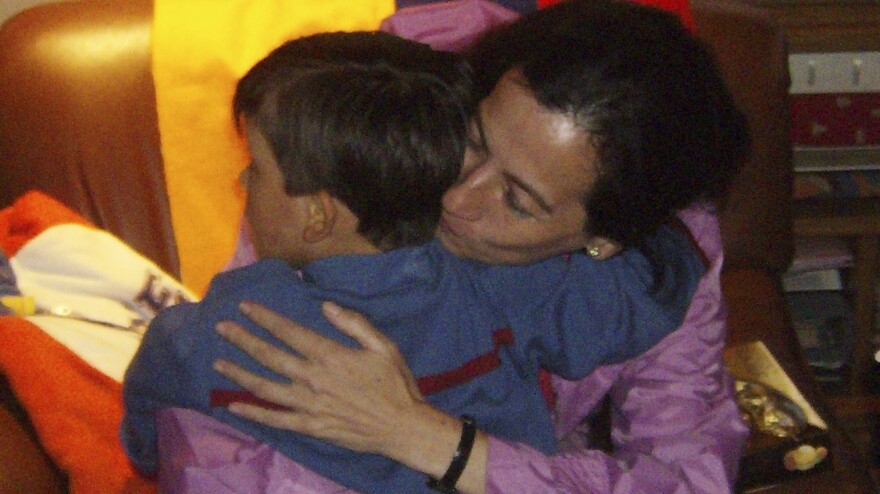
{"x":320,"y":216}
{"x":601,"y":248}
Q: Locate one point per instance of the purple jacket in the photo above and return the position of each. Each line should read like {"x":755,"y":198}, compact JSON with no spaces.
{"x":676,"y":427}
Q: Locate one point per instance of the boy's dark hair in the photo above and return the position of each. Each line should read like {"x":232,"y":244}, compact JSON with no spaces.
{"x":666,"y":129}
{"x":378,"y":121}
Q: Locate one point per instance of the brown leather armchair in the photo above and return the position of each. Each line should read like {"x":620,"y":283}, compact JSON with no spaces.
{"x":82,"y":127}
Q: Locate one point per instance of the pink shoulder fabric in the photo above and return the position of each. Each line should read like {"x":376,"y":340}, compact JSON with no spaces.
{"x":447,"y":26}
{"x":245,"y":253}
{"x":680,"y":7}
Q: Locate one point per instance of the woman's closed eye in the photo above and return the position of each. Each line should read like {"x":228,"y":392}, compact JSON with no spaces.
{"x":515,"y":205}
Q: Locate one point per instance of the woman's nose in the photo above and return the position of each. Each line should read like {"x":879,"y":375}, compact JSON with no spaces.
{"x":467,"y":198}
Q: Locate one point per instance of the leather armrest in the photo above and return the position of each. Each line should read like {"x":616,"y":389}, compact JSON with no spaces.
{"x":24,"y":466}
{"x":79,"y":118}
{"x":757,"y":311}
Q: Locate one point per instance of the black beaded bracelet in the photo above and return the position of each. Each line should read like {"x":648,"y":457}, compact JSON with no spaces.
{"x":446,"y":485}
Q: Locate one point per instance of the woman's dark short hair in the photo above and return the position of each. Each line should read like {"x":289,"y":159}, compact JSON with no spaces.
{"x":649,"y":95}
{"x":378,"y":121}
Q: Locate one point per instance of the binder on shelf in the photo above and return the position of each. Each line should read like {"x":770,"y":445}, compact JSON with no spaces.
{"x":812,"y":281}
{"x":816,"y":265}
{"x":813,"y":253}
{"x":835,"y":158}
{"x":823,"y":322}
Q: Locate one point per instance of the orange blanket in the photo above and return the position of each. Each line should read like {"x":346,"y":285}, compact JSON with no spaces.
{"x":75,"y":409}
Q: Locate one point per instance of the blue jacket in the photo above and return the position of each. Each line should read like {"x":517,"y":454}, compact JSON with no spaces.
{"x":567,"y":315}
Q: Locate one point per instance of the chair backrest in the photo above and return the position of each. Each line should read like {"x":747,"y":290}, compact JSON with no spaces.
{"x":78,"y":121}
{"x":78,"y":118}
{"x":751,"y":51}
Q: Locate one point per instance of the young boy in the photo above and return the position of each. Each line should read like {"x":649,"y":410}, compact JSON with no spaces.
{"x":354,"y":138}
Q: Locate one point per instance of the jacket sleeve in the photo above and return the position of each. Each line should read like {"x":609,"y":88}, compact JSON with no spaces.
{"x":154,"y":380}
{"x":676,"y":427}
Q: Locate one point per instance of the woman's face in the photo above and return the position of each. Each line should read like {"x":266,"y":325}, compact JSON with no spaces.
{"x":520,"y":197}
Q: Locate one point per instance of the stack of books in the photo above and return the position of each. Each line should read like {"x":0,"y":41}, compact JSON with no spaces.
{"x":835,"y":102}
{"x":821,"y":313}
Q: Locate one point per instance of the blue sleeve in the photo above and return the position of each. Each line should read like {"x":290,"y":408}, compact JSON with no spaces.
{"x":154,"y":380}
{"x":173,"y":365}
{"x":571,"y":315}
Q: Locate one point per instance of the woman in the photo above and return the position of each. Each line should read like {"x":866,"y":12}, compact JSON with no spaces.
{"x":574,"y":84}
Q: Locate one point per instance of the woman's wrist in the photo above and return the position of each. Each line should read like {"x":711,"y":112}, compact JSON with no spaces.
{"x":428,"y":439}
{"x":446,"y":483}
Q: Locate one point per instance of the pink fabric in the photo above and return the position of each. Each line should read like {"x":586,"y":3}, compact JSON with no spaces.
{"x":200,"y":454}
{"x":676,"y":426}
{"x":447,"y":26}
{"x":245,"y":252}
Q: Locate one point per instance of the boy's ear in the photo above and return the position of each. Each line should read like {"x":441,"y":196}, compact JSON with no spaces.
{"x":320,"y":216}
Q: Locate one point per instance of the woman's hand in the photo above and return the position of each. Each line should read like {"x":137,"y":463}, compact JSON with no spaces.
{"x":363,"y":399}
{"x":355,"y":398}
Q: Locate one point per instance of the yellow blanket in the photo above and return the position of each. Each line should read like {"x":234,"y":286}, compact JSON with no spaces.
{"x":200,"y":49}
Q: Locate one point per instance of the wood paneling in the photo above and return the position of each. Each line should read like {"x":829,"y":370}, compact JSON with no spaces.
{"x":827,"y":25}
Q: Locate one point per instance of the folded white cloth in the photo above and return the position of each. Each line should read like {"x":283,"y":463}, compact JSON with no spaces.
{"x":90,"y":287}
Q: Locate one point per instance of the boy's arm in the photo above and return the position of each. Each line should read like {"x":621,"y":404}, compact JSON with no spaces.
{"x":676,"y":426}
{"x":154,"y":380}
{"x":573,"y":315}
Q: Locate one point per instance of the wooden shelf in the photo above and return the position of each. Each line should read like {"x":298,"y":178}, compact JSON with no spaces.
{"x":858,"y":219}
{"x":827,"y":25}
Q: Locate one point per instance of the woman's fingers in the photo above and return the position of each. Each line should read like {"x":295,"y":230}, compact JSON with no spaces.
{"x":298,"y":337}
{"x":353,"y":397}
{"x":358,"y":327}
{"x":288,"y":395}
{"x":265,"y":353}
{"x":272,"y":418}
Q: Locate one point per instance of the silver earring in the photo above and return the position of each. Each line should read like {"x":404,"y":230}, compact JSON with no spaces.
{"x":593,"y":251}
